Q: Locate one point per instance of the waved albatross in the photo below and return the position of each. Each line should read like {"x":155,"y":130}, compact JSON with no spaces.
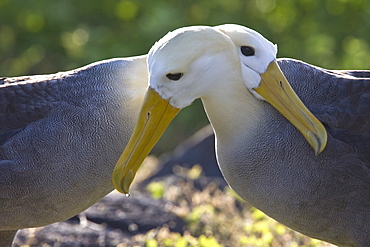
{"x":60,"y":138}
{"x":261,"y":155}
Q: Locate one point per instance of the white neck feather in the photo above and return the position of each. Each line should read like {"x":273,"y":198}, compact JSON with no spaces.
{"x":232,"y":110}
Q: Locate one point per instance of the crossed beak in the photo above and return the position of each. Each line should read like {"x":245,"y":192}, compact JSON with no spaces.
{"x":156,"y":114}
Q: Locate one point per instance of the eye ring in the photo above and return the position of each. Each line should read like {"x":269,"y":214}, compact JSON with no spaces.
{"x":174,"y":76}
{"x":247,"y":50}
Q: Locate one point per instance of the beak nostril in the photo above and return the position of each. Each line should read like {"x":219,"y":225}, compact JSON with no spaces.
{"x":281,"y":84}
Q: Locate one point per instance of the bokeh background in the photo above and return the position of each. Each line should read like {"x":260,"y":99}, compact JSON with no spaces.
{"x":44,"y":36}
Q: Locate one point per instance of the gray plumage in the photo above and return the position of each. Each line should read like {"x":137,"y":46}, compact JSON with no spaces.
{"x":60,"y":138}
{"x":62,"y":134}
{"x":325,"y":196}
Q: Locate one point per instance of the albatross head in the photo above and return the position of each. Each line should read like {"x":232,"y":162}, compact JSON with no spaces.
{"x":264,"y":79}
{"x":255,"y":53}
{"x":187,"y":64}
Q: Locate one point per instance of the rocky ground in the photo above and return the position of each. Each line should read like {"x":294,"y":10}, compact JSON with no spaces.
{"x":179,"y":200}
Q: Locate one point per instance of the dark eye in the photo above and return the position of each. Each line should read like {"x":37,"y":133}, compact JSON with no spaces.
{"x":247,"y":50}
{"x":174,"y":77}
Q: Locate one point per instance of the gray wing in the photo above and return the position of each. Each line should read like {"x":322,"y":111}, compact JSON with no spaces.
{"x":356,"y":73}
{"x":339,"y":99}
{"x":24,"y":100}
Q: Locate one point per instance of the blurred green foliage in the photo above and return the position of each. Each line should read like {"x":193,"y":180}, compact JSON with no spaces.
{"x":216,"y":217}
{"x":156,"y":189}
{"x":45,"y":36}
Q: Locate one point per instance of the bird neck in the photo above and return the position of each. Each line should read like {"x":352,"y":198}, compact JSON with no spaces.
{"x":232,"y":111}
{"x":137,"y":80}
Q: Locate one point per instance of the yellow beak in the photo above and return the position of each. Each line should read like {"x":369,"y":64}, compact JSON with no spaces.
{"x":276,"y":90}
{"x":154,"y":117}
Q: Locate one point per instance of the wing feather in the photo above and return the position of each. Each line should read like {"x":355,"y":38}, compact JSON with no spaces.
{"x":339,"y":99}
{"x":24,"y":100}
